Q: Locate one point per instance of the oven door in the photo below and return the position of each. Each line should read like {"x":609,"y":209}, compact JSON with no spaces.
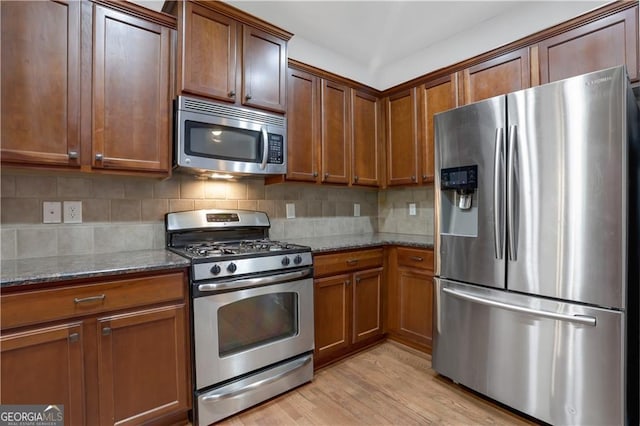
{"x":240,"y":331}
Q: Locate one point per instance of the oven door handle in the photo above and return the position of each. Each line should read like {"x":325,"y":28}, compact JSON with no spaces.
{"x":254,"y":282}
{"x":292,"y":369}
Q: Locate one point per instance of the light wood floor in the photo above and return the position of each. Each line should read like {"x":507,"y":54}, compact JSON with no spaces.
{"x":389,"y":384}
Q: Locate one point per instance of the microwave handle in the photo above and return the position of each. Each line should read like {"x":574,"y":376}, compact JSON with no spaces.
{"x":265,"y":147}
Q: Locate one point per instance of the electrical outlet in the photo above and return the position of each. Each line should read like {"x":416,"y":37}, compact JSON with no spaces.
{"x":356,"y":209}
{"x":51,"y":212}
{"x":72,"y":211}
{"x":412,"y":209}
{"x":291,"y":210}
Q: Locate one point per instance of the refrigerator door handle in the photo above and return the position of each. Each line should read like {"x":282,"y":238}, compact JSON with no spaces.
{"x":498,"y":195}
{"x":579,"y":319}
{"x":511,"y":194}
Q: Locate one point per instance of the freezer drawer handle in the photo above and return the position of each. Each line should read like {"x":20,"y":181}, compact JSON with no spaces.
{"x":254,"y":282}
{"x":295,"y":366}
{"x":580,"y":319}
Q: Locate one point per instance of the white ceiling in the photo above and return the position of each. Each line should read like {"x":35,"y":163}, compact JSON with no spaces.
{"x":384,"y":43}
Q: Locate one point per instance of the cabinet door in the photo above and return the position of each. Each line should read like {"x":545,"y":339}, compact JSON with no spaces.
{"x":438,"y":96}
{"x":209,"y":40}
{"x":605,"y":43}
{"x":40,"y":69}
{"x":335,"y":132}
{"x":367,"y":306}
{"x":45,"y":366}
{"x":365,"y":141}
{"x":415,"y":310}
{"x":130,"y":93}
{"x":303,"y":133}
{"x":142,"y":365}
{"x":331,"y":314}
{"x":505,"y":74}
{"x":402,"y":138}
{"x":264,"y":64}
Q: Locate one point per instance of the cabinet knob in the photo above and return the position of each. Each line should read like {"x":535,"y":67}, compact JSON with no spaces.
{"x":358,"y":280}
{"x":74,"y":337}
{"x":347,"y":282}
{"x":73,"y":155}
{"x":247,"y":97}
{"x":355,"y":178}
{"x":326,"y":175}
{"x":315,"y":174}
{"x":424,"y":177}
{"x":99,"y":157}
{"x":232,"y":94}
{"x":106,"y":331}
{"x":413,"y":178}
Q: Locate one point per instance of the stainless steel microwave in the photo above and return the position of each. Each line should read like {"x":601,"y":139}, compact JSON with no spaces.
{"x":217,"y":138}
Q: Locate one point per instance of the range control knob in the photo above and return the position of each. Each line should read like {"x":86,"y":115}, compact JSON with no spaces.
{"x":215,"y":269}
{"x":232,"y":267}
{"x":286,"y":261}
{"x":297,"y":260}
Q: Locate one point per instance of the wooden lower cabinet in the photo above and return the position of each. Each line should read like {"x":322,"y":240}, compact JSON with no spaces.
{"x":105,"y":365}
{"x":347,"y":303}
{"x":410,"y":293}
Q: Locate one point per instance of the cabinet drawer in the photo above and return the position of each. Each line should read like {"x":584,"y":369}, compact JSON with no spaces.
{"x":329,"y":264}
{"x":415,"y":258}
{"x":39,"y":306}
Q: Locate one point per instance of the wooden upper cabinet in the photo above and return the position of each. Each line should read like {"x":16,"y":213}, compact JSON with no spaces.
{"x":437,"y":96}
{"x":303,"y":133}
{"x":40,"y":69}
{"x":209,"y":40}
{"x":221,"y":53}
{"x":607,"y":42}
{"x":402,"y":138}
{"x":365,"y":141}
{"x":335,"y":132}
{"x":498,"y":76}
{"x":131,"y":99}
{"x":264,"y":59}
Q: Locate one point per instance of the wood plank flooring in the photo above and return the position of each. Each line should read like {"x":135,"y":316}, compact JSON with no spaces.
{"x":389,"y":384}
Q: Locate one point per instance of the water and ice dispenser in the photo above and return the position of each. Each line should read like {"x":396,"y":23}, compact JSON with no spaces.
{"x":458,"y":200}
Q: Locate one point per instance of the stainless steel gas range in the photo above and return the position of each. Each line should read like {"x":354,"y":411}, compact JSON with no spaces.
{"x":252,"y":309}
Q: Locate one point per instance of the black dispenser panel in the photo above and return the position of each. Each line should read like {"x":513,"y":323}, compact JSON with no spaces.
{"x":463,"y":178}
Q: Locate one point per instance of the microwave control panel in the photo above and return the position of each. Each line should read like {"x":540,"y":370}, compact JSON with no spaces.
{"x":276,"y":154}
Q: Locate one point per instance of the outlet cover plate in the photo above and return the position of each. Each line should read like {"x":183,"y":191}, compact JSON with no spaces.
{"x":51,"y":212}
{"x":412,"y":209}
{"x":356,"y":209}
{"x":291,"y":210}
{"x":72,"y":211}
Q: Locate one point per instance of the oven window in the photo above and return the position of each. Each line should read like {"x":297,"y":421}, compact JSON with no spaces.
{"x":223,"y":142}
{"x":256,"y":321}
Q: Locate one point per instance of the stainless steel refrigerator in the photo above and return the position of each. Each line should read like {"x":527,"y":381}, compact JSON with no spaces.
{"x":537,"y":258}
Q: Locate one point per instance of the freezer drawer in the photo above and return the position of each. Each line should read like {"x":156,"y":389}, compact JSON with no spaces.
{"x":561,"y":363}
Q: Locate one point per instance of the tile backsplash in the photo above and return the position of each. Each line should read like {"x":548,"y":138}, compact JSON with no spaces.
{"x":127,"y":213}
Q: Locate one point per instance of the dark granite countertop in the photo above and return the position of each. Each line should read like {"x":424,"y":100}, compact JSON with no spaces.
{"x":345,"y":242}
{"x":49,"y":269}
{"x":59,"y":268}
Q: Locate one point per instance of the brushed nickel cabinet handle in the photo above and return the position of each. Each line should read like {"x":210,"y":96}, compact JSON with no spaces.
{"x":326,"y":175}
{"x":247,"y":97}
{"x":347,"y":282}
{"x":73,"y":155}
{"x":358,"y":280}
{"x":106,"y":331}
{"x":355,"y":178}
{"x":99,"y":157}
{"x":89,"y":299}
{"x":74,"y":337}
{"x":315,"y":174}
{"x":413,"y":178}
{"x":232,"y":94}
{"x":416,"y":258}
{"x":352,"y":261}
{"x":424,"y":177}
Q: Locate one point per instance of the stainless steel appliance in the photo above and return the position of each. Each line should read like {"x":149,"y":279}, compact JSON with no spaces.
{"x":537,"y":231}
{"x":252,"y":312}
{"x":226,"y":139}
